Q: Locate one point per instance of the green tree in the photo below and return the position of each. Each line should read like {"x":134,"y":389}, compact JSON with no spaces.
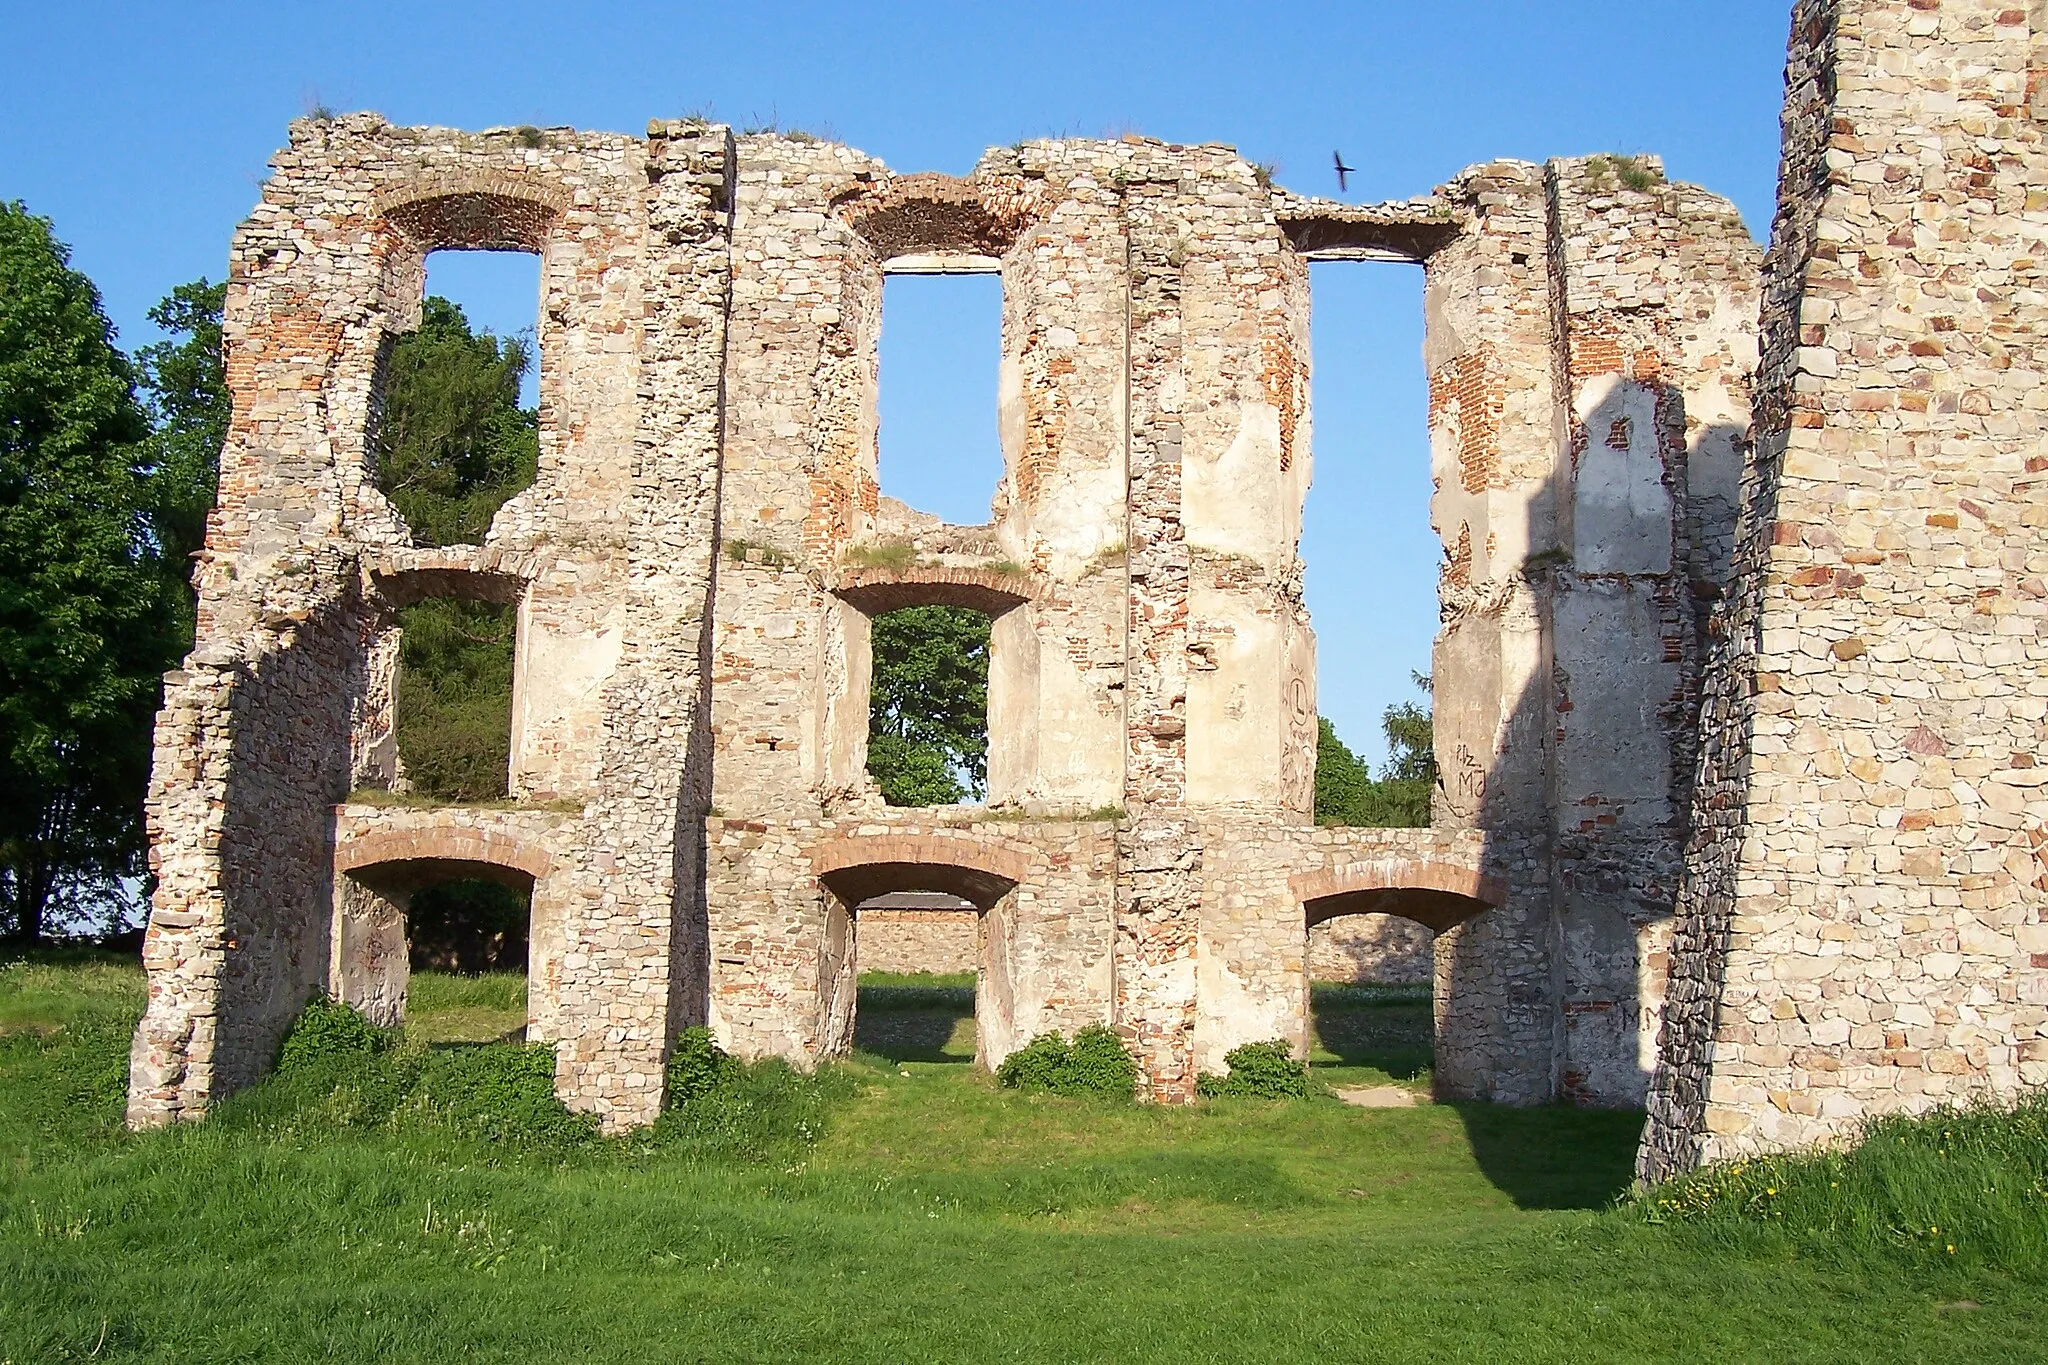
{"x":87,"y":615}
{"x":455,"y":697}
{"x":1348,"y":794}
{"x":928,"y":706}
{"x":454,"y":443}
{"x":184,"y":381}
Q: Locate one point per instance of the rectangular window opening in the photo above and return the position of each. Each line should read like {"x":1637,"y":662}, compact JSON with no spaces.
{"x":458,"y":429}
{"x":941,"y":349}
{"x":1370,"y":554}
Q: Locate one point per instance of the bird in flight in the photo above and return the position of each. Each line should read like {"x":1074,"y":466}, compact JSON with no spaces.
{"x":1343,"y":172}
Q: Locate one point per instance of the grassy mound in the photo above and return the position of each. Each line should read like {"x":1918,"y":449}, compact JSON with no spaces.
{"x":1958,"y":1186}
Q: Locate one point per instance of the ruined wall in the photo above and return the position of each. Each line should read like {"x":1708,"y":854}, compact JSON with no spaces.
{"x":1372,"y":949}
{"x":698,"y":564}
{"x":919,"y":940}
{"x":1861,"y":924}
{"x":284,"y":703}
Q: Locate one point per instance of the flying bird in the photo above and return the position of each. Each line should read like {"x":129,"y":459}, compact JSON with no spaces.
{"x":1343,"y":172}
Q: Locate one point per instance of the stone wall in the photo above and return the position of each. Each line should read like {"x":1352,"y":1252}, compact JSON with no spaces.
{"x":698,"y":562}
{"x":1862,"y":914}
{"x":910,"y":940}
{"x":1372,"y":950}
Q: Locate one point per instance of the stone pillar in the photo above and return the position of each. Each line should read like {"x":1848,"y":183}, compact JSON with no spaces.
{"x":789,"y":704}
{"x":633,"y":918}
{"x":1488,"y":353}
{"x":1057,"y":663}
{"x":1653,"y":306}
{"x":1861,"y":920}
{"x":1159,"y":855}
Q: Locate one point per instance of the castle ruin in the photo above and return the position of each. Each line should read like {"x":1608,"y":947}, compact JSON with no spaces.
{"x":1727,"y":636}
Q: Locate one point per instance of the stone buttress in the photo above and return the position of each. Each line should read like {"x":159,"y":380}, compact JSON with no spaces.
{"x":1861,"y":918}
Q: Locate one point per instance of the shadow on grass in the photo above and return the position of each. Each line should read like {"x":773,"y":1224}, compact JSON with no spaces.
{"x":1553,"y":1156}
{"x":1549,"y":1157}
{"x":916,"y":1023}
{"x":1390,"y":1029}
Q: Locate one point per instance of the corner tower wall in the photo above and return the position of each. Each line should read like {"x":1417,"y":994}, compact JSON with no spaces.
{"x":1861,"y":924}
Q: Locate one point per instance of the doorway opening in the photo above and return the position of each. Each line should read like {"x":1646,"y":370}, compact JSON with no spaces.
{"x":919,"y":958}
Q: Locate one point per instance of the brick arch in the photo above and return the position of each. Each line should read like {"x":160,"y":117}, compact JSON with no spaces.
{"x":973,"y":867}
{"x":1435,"y":894}
{"x":406,"y":859}
{"x":989,"y":591}
{"x":456,"y":211}
{"x":926,"y":213}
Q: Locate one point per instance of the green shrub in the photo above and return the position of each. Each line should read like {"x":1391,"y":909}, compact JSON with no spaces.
{"x":1265,"y":1070}
{"x":697,"y":1067}
{"x":756,"y":1114}
{"x":1037,"y":1065}
{"x":328,"y":1031}
{"x":1095,"y":1063}
{"x":496,"y":1092}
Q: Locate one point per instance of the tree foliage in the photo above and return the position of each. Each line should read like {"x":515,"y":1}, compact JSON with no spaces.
{"x":1348,"y":794}
{"x":455,"y":697}
{"x":453,"y":443}
{"x":185,"y":384}
{"x":87,"y":618}
{"x":928,"y":706}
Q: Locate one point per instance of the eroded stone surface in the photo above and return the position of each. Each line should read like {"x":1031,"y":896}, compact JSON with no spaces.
{"x":697,"y":564}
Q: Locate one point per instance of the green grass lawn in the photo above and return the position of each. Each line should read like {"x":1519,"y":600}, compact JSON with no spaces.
{"x":934,"y":1218}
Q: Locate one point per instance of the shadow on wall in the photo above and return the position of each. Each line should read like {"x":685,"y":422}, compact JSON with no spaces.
{"x":1567,"y":722}
{"x":288,"y":767}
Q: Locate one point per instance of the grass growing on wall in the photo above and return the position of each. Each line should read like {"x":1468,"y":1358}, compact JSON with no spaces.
{"x":928,"y":1216}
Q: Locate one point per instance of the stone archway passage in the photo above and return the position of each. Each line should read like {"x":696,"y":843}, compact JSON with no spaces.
{"x":377,"y":873}
{"x":979,"y":870}
{"x":1439,"y":895}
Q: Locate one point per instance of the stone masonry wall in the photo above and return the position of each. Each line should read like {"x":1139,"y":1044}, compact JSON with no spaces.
{"x":1862,"y":918}
{"x":698,"y":562}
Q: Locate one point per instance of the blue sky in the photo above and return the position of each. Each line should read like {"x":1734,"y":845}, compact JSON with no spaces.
{"x":143,"y":131}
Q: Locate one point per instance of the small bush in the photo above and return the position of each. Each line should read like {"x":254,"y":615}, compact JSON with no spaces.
{"x":1266,"y":1071}
{"x":758,"y":1113}
{"x":498,"y":1092}
{"x":697,"y":1067}
{"x":329,"y":1031}
{"x":1095,"y":1063}
{"x":1038,"y":1065}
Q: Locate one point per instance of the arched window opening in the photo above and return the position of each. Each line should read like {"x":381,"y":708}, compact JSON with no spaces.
{"x":458,"y":430}
{"x":928,"y":706}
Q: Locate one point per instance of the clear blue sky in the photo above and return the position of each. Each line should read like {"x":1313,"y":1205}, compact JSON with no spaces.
{"x":143,"y":131}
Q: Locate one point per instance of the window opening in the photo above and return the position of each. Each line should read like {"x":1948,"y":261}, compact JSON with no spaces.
{"x":941,"y":347}
{"x":918,"y":955}
{"x":1373,"y":598}
{"x":467,"y":941}
{"x":458,"y":430}
{"x":454,"y":698}
{"x":928,"y":706}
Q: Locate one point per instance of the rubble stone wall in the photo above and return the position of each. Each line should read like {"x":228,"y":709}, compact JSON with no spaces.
{"x":1862,"y":914}
{"x":697,"y":567}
